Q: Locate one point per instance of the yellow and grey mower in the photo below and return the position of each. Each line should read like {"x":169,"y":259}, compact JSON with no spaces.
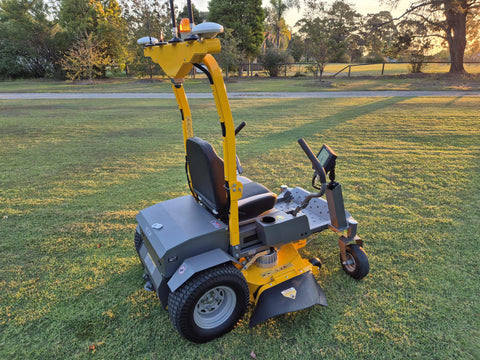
{"x":232,"y":241}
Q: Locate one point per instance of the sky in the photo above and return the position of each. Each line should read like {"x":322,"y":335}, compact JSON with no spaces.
{"x":292,"y":16}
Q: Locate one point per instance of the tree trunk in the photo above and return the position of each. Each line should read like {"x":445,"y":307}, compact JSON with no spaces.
{"x":457,"y":51}
{"x":456,"y":15}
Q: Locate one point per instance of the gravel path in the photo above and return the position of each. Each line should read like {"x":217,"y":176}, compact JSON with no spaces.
{"x":235,"y":95}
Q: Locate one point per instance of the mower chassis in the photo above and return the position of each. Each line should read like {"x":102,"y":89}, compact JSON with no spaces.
{"x":206,"y":270}
{"x":181,"y":238}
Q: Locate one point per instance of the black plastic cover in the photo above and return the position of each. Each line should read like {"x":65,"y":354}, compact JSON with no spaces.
{"x":298,"y":293}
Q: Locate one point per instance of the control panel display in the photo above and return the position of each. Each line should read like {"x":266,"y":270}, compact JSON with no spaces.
{"x":327,"y":157}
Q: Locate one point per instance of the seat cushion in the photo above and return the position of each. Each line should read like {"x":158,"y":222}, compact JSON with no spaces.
{"x":255,"y":200}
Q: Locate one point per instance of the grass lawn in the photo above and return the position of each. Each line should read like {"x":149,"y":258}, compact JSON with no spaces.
{"x":363,"y":79}
{"x":74,"y":174}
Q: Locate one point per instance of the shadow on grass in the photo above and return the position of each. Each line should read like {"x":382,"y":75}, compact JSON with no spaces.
{"x":287,"y":137}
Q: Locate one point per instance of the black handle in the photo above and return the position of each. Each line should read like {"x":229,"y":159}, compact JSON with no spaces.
{"x":240,"y":127}
{"x":316,"y":164}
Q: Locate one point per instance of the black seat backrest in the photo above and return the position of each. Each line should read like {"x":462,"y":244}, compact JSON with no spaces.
{"x":207,"y":174}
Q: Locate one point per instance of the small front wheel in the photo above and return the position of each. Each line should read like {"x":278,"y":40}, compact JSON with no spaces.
{"x":209,"y":304}
{"x":356,"y":262}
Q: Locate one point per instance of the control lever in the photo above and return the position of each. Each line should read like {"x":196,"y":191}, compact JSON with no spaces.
{"x":318,"y":170}
{"x":237,"y":130}
{"x":240,"y":127}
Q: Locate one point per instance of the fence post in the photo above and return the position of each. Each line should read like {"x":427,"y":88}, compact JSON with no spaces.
{"x":349,"y":70}
{"x":285,"y":70}
{"x":383,"y":67}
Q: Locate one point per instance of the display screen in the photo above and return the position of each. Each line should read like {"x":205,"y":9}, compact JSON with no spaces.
{"x":323,"y":156}
{"x":327,"y":158}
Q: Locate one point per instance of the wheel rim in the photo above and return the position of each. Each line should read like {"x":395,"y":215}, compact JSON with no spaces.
{"x":350,"y":263}
{"x":214,"y":307}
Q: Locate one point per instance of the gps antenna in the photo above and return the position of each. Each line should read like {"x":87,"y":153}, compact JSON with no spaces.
{"x":175,"y":38}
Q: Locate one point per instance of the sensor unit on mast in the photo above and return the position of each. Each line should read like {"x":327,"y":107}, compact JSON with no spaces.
{"x":207,"y":30}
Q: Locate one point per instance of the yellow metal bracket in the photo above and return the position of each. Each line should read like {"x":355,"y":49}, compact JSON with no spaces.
{"x":177,"y":59}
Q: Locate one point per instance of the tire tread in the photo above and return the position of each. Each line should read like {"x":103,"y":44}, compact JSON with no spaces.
{"x":183,"y":298}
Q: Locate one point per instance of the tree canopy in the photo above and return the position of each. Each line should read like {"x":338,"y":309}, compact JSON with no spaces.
{"x":27,"y":39}
{"x":277,"y":32}
{"x":326,"y":31}
{"x":45,"y":38}
{"x":450,"y":20}
{"x":245,"y":18}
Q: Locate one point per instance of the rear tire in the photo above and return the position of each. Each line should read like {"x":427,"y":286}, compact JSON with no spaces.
{"x":356,"y":263}
{"x":209,"y":304}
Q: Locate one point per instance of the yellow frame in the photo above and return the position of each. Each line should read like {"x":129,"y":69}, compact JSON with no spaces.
{"x":176,"y":60}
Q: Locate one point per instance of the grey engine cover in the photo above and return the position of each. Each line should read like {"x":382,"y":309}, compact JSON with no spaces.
{"x":178,"y":229}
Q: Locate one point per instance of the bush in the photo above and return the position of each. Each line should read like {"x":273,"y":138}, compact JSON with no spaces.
{"x":273,"y":60}
{"x":417,"y":60}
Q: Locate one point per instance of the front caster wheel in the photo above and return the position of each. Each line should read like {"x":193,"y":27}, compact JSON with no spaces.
{"x":209,"y":304}
{"x":355,"y":263}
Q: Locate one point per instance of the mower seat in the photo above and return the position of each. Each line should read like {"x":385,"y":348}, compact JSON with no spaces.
{"x":208,"y":182}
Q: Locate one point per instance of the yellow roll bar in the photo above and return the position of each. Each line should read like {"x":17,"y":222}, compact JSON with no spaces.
{"x":176,"y":60}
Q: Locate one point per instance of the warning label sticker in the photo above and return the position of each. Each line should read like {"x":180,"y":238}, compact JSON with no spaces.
{"x":216,"y":224}
{"x":290,"y":293}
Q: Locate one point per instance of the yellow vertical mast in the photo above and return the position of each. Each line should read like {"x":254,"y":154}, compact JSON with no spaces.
{"x":176,"y":60}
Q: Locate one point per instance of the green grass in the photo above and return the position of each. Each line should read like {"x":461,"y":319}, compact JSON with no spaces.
{"x":396,"y":69}
{"x":74,"y":174}
{"x":363,"y":79}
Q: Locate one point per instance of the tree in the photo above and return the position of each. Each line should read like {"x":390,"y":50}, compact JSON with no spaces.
{"x":112,"y":33}
{"x":27,"y":39}
{"x":355,"y":47}
{"x":472,"y":51}
{"x":100,"y":19}
{"x":145,"y":18}
{"x":343,"y":23}
{"x":379,"y":33}
{"x":296,"y":47}
{"x":76,"y":18}
{"x":447,"y":20}
{"x":318,"y":41}
{"x":229,"y":58}
{"x":245,"y":18}
{"x":277,"y":32}
{"x":409,"y":44}
{"x":85,"y":60}
{"x":198,"y":16}
{"x":326,"y":31}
